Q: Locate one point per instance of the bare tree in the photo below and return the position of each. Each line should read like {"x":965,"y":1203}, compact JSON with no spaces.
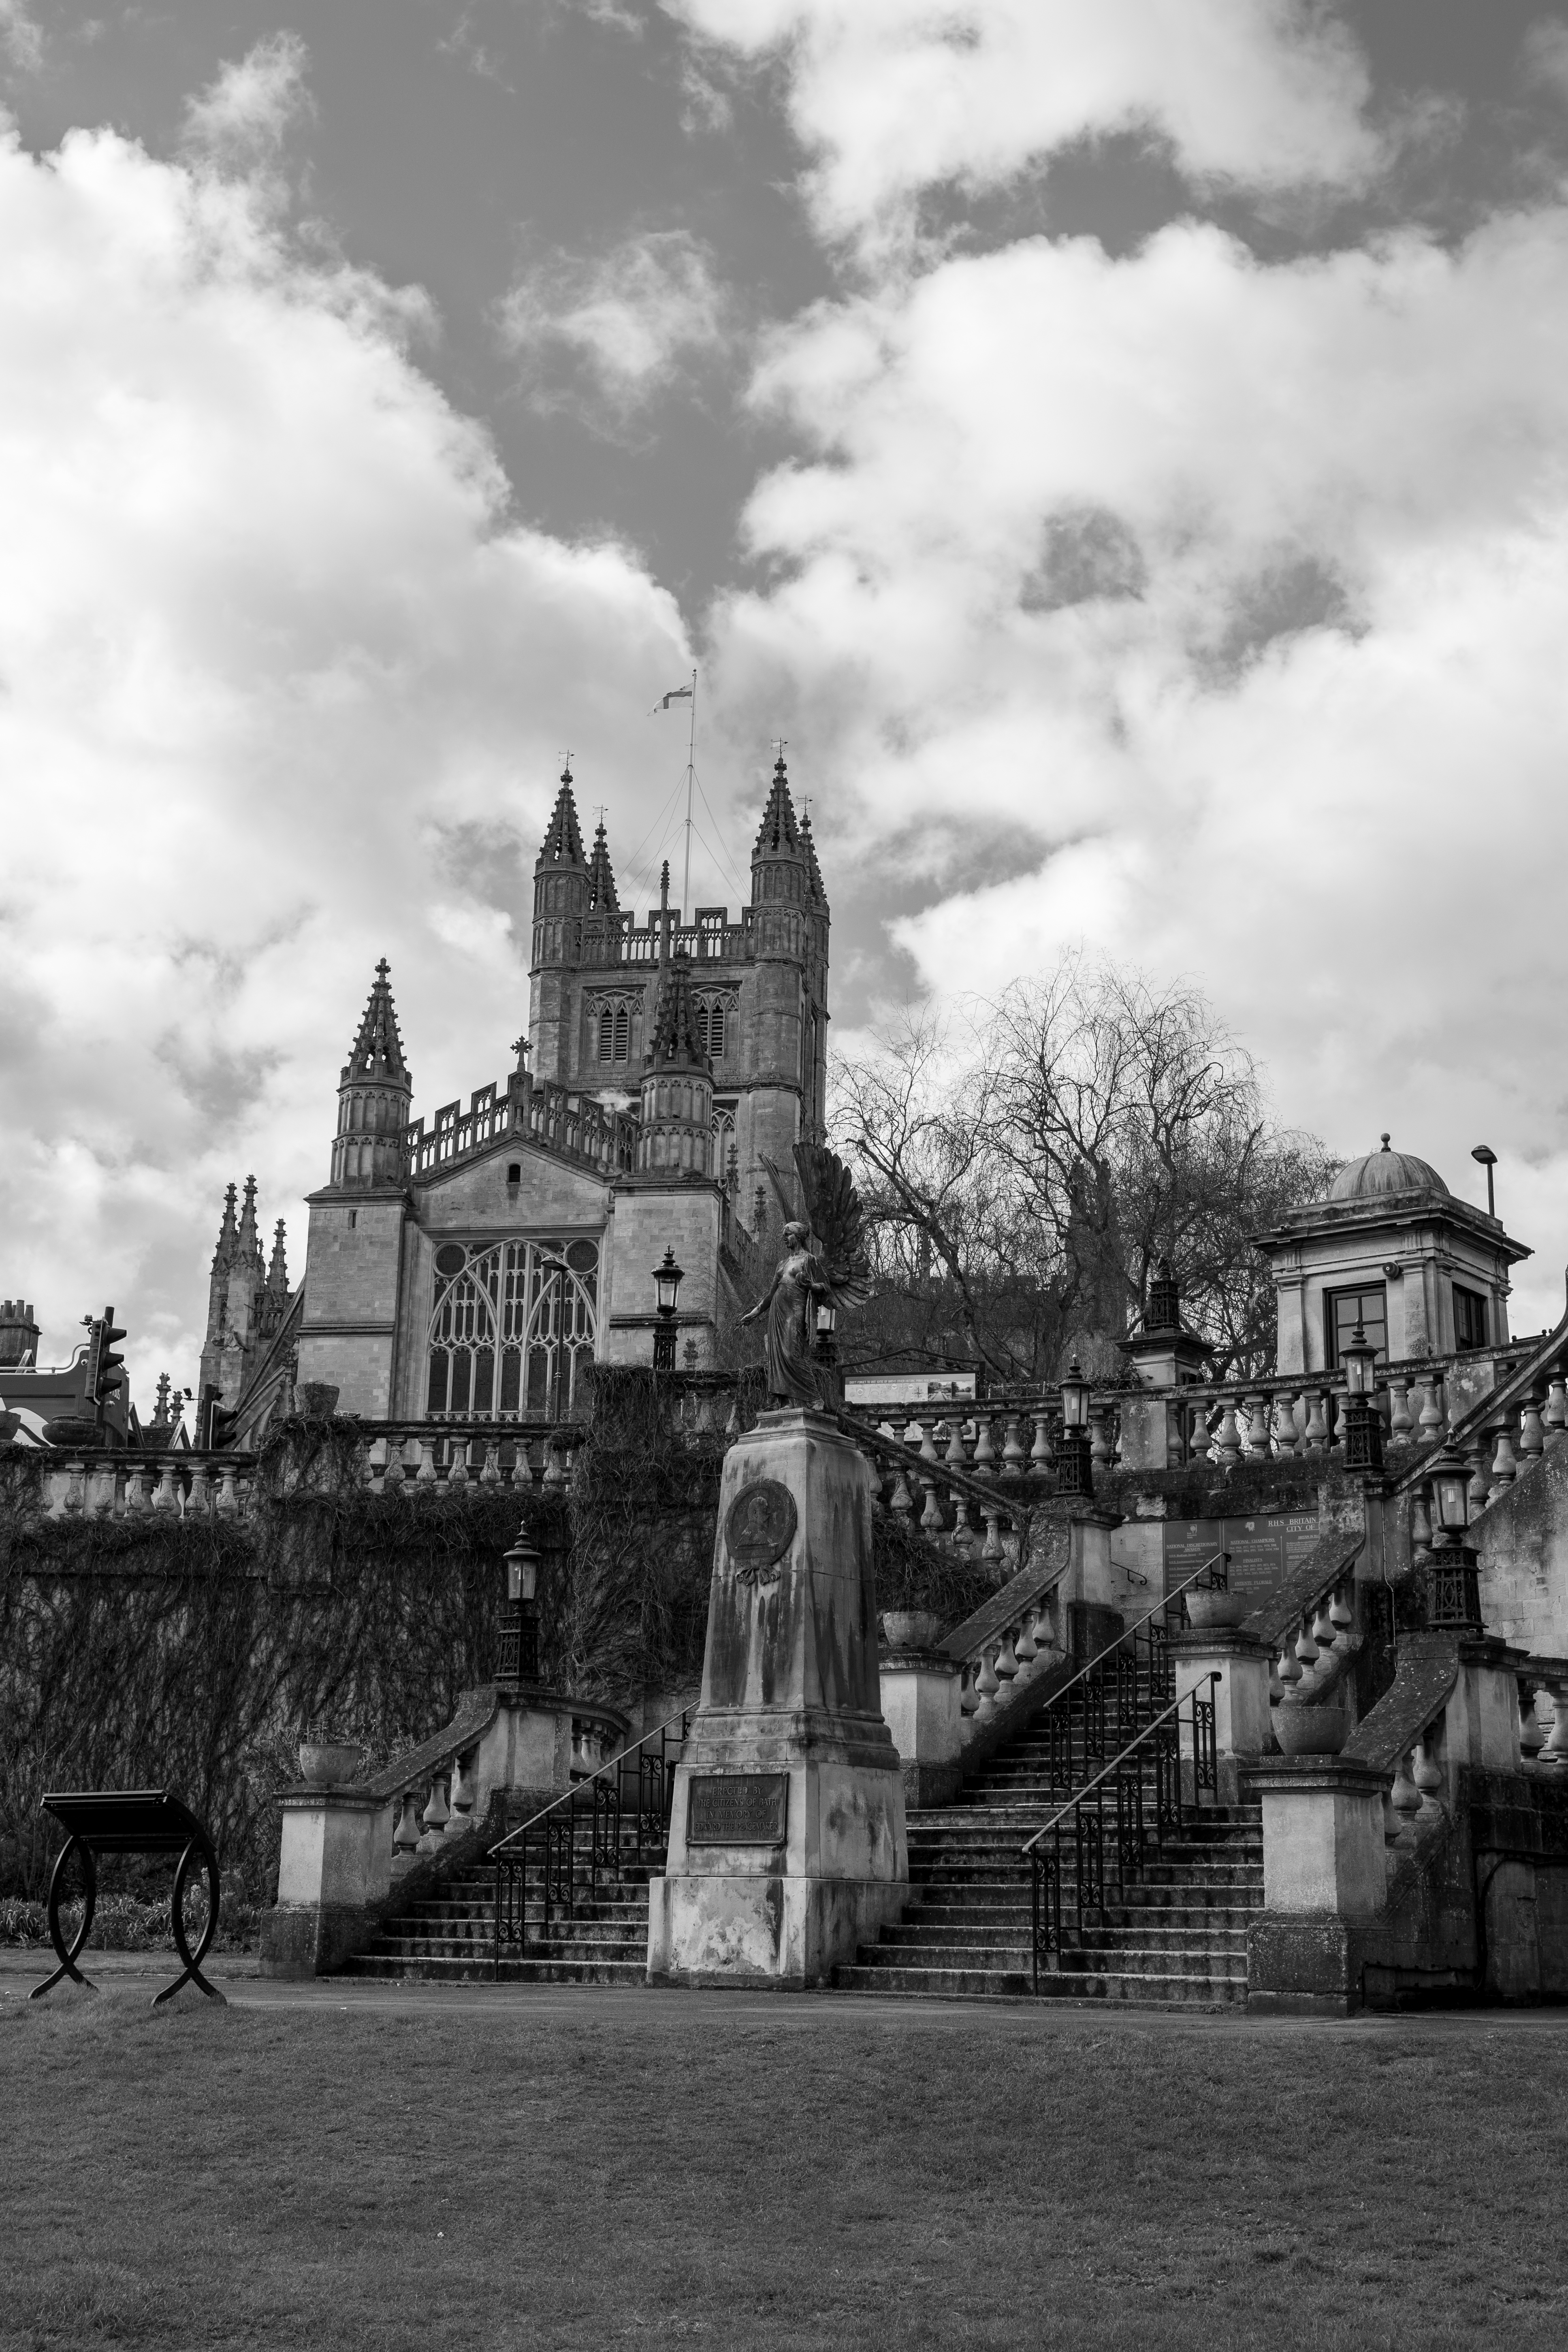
{"x":1025,"y":1165}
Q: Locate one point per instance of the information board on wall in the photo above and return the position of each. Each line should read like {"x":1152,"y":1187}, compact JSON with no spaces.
{"x":1262,"y":1549}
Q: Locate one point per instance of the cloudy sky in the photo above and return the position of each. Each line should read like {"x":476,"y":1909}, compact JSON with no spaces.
{"x":1122,"y":445}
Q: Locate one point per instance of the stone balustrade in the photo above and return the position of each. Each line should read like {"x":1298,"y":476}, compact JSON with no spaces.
{"x":113,"y":1484}
{"x":443,"y":1456}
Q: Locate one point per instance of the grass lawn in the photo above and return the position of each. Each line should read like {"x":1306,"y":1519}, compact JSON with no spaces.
{"x":668,"y":2168}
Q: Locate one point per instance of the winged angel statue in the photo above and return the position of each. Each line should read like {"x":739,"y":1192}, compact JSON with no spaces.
{"x":837,"y":1269}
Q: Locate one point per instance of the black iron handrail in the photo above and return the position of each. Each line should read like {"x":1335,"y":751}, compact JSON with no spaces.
{"x":1131,"y":1833}
{"x":556,"y":1824}
{"x":1219,"y":1584}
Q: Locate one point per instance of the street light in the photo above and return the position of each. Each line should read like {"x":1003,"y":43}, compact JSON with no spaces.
{"x":1455,"y":1601}
{"x":1363,"y":1422}
{"x":1075,"y":1465}
{"x":520,"y":1616}
{"x":667,"y":1279}
{"x":1488,"y":1157}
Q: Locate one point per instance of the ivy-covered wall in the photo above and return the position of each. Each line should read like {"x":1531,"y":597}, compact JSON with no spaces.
{"x":194,"y":1653}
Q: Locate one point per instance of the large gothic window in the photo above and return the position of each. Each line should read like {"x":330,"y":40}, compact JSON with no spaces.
{"x":512,"y":1325}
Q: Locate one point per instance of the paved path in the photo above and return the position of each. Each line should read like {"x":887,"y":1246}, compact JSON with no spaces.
{"x":648,"y":2009}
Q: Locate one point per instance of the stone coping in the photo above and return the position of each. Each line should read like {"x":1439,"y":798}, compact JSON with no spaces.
{"x":1331,"y":1558}
{"x":1290,"y":1775}
{"x":1425,"y":1671}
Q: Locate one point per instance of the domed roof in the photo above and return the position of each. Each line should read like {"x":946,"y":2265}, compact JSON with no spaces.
{"x":1386,"y":1172}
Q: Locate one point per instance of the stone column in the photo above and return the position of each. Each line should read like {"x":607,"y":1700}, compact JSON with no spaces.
{"x":1240,"y":1696}
{"x":1094,"y":1594}
{"x":787,"y":1846}
{"x":920,"y":1706}
{"x":1325,"y":1870}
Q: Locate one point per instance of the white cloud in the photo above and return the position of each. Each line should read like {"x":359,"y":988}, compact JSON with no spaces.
{"x":635,"y":317}
{"x":282,"y":688}
{"x":21,"y":37}
{"x":247,"y":111}
{"x":893,"y":98}
{"x":1545,"y":55}
{"x":1210,"y":611}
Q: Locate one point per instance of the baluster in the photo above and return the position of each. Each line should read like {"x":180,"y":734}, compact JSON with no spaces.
{"x":1286,"y":1436}
{"x":199,"y":1501}
{"x":490,"y":1474}
{"x":1505,"y":1469}
{"x":1428,"y":1778}
{"x":1480,"y":1488}
{"x":462,"y":1798}
{"x":1531,"y":1738}
{"x":227,"y":1490}
{"x":991,"y":1546}
{"x":1041,"y":1463}
{"x":1006,"y":1659}
{"x":931,"y":1515}
{"x":1258,"y":1430}
{"x":986,"y":1684}
{"x":1400,"y":1422}
{"x":1287,"y":1671}
{"x":985,"y":1462}
{"x":903,"y":1502}
{"x":1341,"y":1617}
{"x":1026,"y":1649}
{"x":1432,"y":1418}
{"x":1315,"y":1437}
{"x":396,"y":1473}
{"x":1100,"y":1450}
{"x":968,"y":1694}
{"x":1306,"y":1654}
{"x":1556,"y":1753}
{"x":1228,"y":1441}
{"x":76,"y":1487}
{"x":405,"y":1836}
{"x":554,"y":1469}
{"x":1556,"y":1414}
{"x":425,"y":1473}
{"x":458,"y":1468}
{"x":437,"y":1812}
{"x":1014,"y":1458}
{"x":1532,"y":1435}
{"x":963,"y":1520}
{"x":166,"y":1497}
{"x":1335,"y":1401}
{"x":1404,"y":1799}
{"x":1176,"y":1417}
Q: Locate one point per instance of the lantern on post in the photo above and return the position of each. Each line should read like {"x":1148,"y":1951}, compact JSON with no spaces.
{"x":1454,"y":1591}
{"x":667,"y":1280}
{"x":1075,"y":1465}
{"x":1363,"y":1422}
{"x":519,"y":1613}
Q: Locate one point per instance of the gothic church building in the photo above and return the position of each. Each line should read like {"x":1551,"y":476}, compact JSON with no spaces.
{"x":467,"y":1266}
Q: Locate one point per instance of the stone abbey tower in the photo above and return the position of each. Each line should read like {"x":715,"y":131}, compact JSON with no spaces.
{"x":467,"y":1265}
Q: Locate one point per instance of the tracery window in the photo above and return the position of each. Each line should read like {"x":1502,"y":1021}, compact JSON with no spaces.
{"x":613,"y":1030}
{"x":712,"y":1025}
{"x":512,"y":1325}
{"x":722,"y":1125}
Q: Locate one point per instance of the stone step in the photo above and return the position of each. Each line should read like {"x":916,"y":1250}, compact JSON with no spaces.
{"x":455,"y":1970}
{"x":1012,"y":1984}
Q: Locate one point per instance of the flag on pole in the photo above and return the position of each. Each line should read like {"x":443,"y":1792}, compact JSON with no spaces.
{"x":676,"y":694}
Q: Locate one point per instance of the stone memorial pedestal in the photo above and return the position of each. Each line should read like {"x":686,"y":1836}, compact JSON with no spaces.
{"x":787,"y":1846}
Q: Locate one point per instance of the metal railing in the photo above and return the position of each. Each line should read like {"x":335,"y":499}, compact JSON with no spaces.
{"x":1122,"y":1843}
{"x":601,"y":1803}
{"x":1112,"y":1698}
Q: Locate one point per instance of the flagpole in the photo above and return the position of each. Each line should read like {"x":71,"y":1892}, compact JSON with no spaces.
{"x":691,"y":776}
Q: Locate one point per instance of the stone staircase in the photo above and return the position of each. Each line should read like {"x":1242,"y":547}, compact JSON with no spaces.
{"x":448,"y":1937}
{"x":1176,"y":1934}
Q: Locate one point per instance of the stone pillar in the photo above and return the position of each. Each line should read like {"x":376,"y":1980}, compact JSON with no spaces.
{"x":787,"y":1846}
{"x":921,"y":1707}
{"x":1093,"y":1592}
{"x":1325,"y":1870}
{"x":1240,"y":1695}
{"x":334,"y":1872}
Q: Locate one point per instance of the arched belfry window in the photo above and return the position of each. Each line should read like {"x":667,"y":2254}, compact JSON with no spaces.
{"x":512,"y":1325}
{"x":613,"y":1043}
{"x":712,"y":1025}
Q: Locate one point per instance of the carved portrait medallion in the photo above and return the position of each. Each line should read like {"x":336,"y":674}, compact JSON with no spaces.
{"x":759,"y":1529}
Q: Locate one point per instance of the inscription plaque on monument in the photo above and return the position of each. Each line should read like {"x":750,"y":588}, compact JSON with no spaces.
{"x":736,"y":1809}
{"x":758,"y":1528}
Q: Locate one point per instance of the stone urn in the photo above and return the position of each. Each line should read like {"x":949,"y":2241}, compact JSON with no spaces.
{"x":1303,"y":1730}
{"x":909,"y":1629}
{"x":1207,"y":1608}
{"x":317,"y":1400}
{"x":328,"y":1763}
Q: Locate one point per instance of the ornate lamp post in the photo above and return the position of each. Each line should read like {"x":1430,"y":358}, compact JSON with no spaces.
{"x":1363,"y":1422}
{"x":1075,"y":1465}
{"x":667,"y":1280}
{"x":520,"y":1614}
{"x":1455,"y":1601}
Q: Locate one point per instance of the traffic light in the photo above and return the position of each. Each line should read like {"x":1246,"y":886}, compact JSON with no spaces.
{"x":105,"y":1369}
{"x":214,"y":1427}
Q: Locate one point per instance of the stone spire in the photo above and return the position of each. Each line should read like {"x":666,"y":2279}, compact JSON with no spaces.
{"x":601,"y":898}
{"x":278,"y":1271}
{"x":373,"y":1097}
{"x":227,"y":1234}
{"x":376,"y":1054}
{"x":248,"y":1248}
{"x":778,"y":831}
{"x":816,"y":892}
{"x":562,"y":842}
{"x":675,"y":1138}
{"x":675,"y":1044}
